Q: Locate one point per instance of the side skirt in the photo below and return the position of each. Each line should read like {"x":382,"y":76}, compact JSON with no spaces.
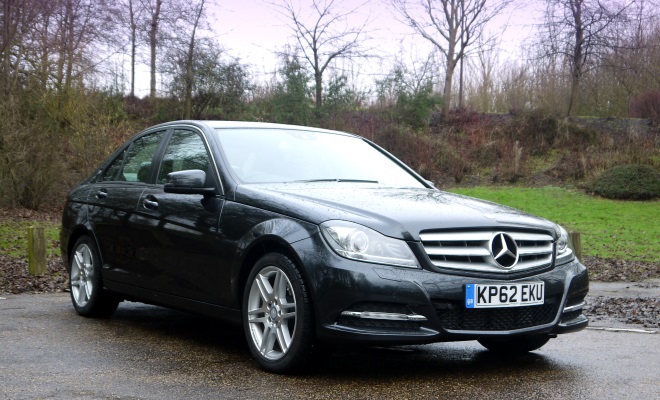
{"x":147,"y":296}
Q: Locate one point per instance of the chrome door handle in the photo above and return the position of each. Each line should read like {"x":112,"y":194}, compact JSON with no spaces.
{"x":152,"y":205}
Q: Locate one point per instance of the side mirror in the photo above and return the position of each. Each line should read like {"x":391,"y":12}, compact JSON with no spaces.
{"x":190,"y":181}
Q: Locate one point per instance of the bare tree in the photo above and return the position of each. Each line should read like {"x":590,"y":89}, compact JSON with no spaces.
{"x":131,"y":13}
{"x":10,"y":26}
{"x":582,"y":28}
{"x":74,"y":23}
{"x":486,"y":60}
{"x":451,"y":26}
{"x":323,"y":35}
{"x":194,"y":24}
{"x":133,"y":16}
{"x":17,"y":18}
{"x":69,"y":31}
{"x":154,"y":8}
{"x":184,"y":40}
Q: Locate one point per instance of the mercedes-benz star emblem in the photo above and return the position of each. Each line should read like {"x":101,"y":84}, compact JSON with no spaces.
{"x":504,"y":250}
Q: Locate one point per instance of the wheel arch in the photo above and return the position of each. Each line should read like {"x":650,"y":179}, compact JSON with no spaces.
{"x":276,"y":234}
{"x":78,"y":232}
{"x":266,"y":245}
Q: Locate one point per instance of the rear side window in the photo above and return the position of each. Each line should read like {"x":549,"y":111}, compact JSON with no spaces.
{"x":134,"y":164}
{"x":185,"y":150}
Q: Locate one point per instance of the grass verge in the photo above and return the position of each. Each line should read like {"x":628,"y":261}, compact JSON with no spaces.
{"x":13,"y":237}
{"x":14,"y":276}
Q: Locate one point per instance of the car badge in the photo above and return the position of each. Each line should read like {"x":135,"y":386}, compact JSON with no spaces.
{"x":504,"y":250}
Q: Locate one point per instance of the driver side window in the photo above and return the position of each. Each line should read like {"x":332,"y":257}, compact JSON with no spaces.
{"x":185,"y":150}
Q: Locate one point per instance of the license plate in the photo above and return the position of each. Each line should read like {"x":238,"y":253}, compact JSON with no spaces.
{"x":504,"y":295}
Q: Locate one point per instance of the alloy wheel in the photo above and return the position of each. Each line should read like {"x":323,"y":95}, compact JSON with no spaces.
{"x":82,"y":275}
{"x":271,"y":313}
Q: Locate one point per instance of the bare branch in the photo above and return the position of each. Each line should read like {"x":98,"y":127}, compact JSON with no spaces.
{"x":323,"y":34}
{"x":452,"y":26}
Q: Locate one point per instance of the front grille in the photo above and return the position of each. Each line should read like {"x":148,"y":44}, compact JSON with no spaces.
{"x":471,"y":251}
{"x":455,"y":317}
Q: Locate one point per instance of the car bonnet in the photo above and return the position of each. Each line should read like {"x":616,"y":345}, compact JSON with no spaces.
{"x":396,"y":212}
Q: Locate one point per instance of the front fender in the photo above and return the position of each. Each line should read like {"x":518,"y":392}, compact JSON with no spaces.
{"x":286,"y":230}
{"x":273,"y":233}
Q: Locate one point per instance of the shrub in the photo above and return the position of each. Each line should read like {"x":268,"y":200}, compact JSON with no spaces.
{"x":408,"y":99}
{"x":646,"y":105}
{"x":627,"y":182}
{"x":292,"y":103}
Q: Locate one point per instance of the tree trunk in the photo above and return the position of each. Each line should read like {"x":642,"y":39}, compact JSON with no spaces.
{"x":318,"y":80}
{"x":70,"y":45}
{"x":575,"y":82}
{"x":6,"y":48}
{"x":460,"y":86}
{"x":153,"y":40}
{"x":133,"y":45}
{"x":45,"y":54}
{"x":446,"y":94}
{"x":59,"y":79}
{"x":576,"y":70}
{"x":187,"y":104}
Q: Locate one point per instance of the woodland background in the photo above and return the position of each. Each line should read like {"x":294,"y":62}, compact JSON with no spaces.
{"x":583,"y":97}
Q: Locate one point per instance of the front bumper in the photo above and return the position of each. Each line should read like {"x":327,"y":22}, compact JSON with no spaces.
{"x":362,"y":302}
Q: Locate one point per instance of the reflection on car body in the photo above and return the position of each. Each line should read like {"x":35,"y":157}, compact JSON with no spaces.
{"x":309,"y":237}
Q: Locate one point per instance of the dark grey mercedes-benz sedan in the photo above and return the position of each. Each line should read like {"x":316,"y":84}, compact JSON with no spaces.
{"x":310,"y":237}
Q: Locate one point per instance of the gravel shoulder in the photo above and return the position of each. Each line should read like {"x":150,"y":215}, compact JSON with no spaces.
{"x":631,"y":305}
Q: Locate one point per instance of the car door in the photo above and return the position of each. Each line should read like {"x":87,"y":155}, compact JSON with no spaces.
{"x":112,"y":202}
{"x":179,"y":241}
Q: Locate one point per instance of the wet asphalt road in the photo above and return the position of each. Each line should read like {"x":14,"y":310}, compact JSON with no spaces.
{"x":143,"y":352}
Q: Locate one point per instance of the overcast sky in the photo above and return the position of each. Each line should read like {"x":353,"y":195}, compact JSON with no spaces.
{"x":253,"y":31}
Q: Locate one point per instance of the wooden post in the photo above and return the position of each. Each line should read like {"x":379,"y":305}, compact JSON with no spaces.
{"x":36,"y":250}
{"x":576,"y":239}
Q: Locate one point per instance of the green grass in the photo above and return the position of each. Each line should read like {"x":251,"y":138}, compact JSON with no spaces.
{"x":13,"y":238}
{"x":626,"y":230}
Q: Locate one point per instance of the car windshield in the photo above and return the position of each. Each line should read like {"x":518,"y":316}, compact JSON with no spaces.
{"x":282,"y":155}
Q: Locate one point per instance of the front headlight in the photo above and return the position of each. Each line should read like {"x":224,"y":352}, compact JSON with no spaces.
{"x":564,"y":247}
{"x":360,"y":243}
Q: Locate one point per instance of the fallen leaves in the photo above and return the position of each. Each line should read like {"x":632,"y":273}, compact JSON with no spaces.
{"x":15,"y":279}
{"x":611,"y":270}
{"x":640,"y":311}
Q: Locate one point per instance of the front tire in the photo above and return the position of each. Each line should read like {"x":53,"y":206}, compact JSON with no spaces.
{"x":277,"y":315}
{"x":87,"y":294}
{"x":516,"y":344}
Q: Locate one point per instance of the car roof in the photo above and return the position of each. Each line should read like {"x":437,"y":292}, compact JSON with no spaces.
{"x":255,"y":125}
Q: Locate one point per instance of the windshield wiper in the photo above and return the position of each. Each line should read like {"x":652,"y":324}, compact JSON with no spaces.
{"x":337,"y":180}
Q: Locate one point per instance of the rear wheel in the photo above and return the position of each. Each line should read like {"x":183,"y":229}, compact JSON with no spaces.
{"x":277,"y":315}
{"x":87,"y":294}
{"x":516,"y":344}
